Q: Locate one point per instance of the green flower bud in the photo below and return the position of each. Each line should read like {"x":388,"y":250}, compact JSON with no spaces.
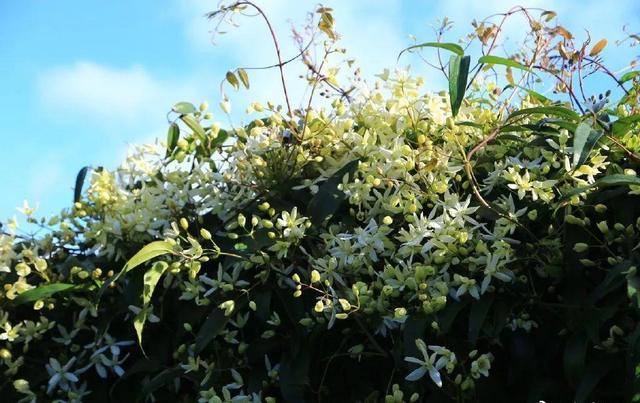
{"x":580,"y":247}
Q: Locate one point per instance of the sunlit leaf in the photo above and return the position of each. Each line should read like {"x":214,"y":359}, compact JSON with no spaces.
{"x":193,"y":125}
{"x":451,"y":47}
{"x":172,"y":137}
{"x":489,"y":59}
{"x":458,"y":74}
{"x":584,"y":139}
{"x":150,"y":280}
{"x":597,"y":48}
{"x":629,"y":76}
{"x":546,"y":110}
{"x":42,"y":292}
{"x":183,"y":108}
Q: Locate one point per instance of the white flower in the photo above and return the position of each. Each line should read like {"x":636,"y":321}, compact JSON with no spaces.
{"x":60,"y":375}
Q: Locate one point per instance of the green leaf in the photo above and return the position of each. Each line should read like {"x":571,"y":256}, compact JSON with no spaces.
{"x":479,"y":311}
{"x":629,"y":76}
{"x":605,"y":182}
{"x":150,"y":280}
{"x":593,"y":374}
{"x":212,"y":326}
{"x":222,"y":136}
{"x":546,"y":110}
{"x":163,"y":378}
{"x":183,"y":108}
{"x":148,"y":252}
{"x":622,"y":126}
{"x":172,"y":138}
{"x":244,"y":78}
{"x":193,"y":125}
{"x":489,"y":59}
{"x":43,"y":292}
{"x":458,"y":74}
{"x":328,"y":198}
{"x":574,"y":357}
{"x":451,"y":47}
{"x":233,"y":80}
{"x":77,"y":190}
{"x":584,"y":139}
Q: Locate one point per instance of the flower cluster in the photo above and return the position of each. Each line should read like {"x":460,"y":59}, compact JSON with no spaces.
{"x":364,"y":233}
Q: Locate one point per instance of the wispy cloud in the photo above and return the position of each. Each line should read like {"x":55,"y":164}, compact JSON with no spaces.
{"x":105,"y":93}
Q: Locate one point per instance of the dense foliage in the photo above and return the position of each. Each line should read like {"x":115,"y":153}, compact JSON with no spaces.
{"x":479,"y":244}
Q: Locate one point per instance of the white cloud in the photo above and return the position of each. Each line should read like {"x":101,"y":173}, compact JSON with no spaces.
{"x":106,"y":93}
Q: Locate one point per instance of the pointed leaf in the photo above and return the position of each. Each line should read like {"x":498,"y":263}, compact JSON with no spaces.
{"x":584,"y":139}
{"x":479,"y":311}
{"x":213,"y":325}
{"x":574,"y":357}
{"x":193,"y":125}
{"x":489,"y":59}
{"x":597,"y":48}
{"x":605,"y":182}
{"x":546,"y":110}
{"x":451,"y":47}
{"x":172,"y":138}
{"x":150,"y":280}
{"x":328,"y":198}
{"x":43,"y":292}
{"x":458,"y":74}
{"x":77,"y":190}
{"x":148,"y":252}
{"x":629,"y":76}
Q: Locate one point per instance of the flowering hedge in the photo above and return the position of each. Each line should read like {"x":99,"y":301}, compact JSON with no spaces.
{"x":397,"y":245}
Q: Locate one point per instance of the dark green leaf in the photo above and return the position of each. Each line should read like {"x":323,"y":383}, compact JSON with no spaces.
{"x":584,"y":139}
{"x":451,"y":47}
{"x":458,"y":74}
{"x":77,"y":190}
{"x":593,"y":374}
{"x":183,"y":108}
{"x":447,"y":316}
{"x":575,"y":352}
{"x":172,"y":138}
{"x":43,"y":292}
{"x":215,"y":322}
{"x":294,"y":372}
{"x":546,"y":110}
{"x":489,"y":59}
{"x":328,"y":198}
{"x":605,"y":182}
{"x":163,"y":378}
{"x":479,"y":311}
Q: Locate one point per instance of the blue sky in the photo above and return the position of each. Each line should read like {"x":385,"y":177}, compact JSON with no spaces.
{"x":81,"y":81}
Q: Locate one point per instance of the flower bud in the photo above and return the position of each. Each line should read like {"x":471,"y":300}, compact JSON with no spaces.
{"x":205,"y":234}
{"x":580,"y":247}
